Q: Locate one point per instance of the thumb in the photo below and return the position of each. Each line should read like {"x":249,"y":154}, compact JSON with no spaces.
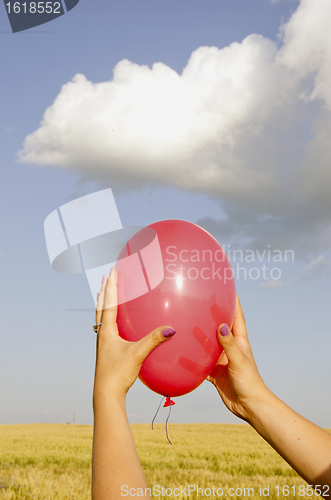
{"x":229,"y":344}
{"x":146,"y":345}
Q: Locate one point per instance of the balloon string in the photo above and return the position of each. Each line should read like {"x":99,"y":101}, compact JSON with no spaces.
{"x":157,"y":411}
{"x":166,"y":424}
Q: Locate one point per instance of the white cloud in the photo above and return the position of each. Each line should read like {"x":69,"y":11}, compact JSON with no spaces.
{"x":156,"y":125}
{"x":307,"y":47}
{"x":249,"y":123}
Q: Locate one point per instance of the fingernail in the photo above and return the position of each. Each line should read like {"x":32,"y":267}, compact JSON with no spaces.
{"x":103,"y":278}
{"x":169,"y":332}
{"x":98,"y":294}
{"x":224,"y":330}
{"x":110,"y":271}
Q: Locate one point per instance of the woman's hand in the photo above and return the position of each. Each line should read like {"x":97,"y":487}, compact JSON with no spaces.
{"x":115,"y":461}
{"x":119,"y":361}
{"x":235,"y":375}
{"x":304,"y":445}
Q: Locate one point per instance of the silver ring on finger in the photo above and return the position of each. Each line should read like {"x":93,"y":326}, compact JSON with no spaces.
{"x":96,"y":328}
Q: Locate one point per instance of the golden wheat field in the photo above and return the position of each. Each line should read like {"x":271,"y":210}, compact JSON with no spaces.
{"x":53,"y":461}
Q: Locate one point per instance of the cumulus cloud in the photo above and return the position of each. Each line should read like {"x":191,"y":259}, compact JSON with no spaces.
{"x":248,"y":123}
{"x":156,"y":125}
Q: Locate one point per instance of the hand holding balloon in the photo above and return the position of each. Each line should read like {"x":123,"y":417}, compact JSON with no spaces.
{"x":235,"y":375}
{"x":119,"y":361}
{"x":117,"y":367}
{"x":304,"y":445}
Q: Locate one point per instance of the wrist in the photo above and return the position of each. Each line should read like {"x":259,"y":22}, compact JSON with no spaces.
{"x":259,"y":406}
{"x":108,"y":394}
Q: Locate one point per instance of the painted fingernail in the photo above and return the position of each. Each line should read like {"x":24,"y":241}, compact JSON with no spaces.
{"x":98,"y":294}
{"x":103,"y":278}
{"x":224,"y":330}
{"x":169,"y":332}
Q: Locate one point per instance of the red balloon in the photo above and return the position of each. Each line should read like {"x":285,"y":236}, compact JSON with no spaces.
{"x":175,"y":273}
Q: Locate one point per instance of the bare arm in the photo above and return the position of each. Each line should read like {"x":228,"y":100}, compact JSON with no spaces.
{"x":115,"y":463}
{"x":304,"y":445}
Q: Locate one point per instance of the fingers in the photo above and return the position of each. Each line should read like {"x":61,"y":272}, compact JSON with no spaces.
{"x":146,"y":345}
{"x":109,"y":313}
{"x":239,"y":330}
{"x":101,"y":299}
{"x":239,"y":325}
{"x":227,"y":340}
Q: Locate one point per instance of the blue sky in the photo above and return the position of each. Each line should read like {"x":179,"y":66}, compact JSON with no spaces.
{"x":249,"y":161}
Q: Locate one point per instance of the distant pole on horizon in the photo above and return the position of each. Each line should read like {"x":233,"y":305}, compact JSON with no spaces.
{"x":74,"y":418}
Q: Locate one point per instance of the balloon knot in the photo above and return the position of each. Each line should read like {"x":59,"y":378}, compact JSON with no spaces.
{"x":168,"y":402}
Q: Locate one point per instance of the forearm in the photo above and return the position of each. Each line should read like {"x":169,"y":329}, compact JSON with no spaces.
{"x":115,"y":462}
{"x":304,"y":445}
